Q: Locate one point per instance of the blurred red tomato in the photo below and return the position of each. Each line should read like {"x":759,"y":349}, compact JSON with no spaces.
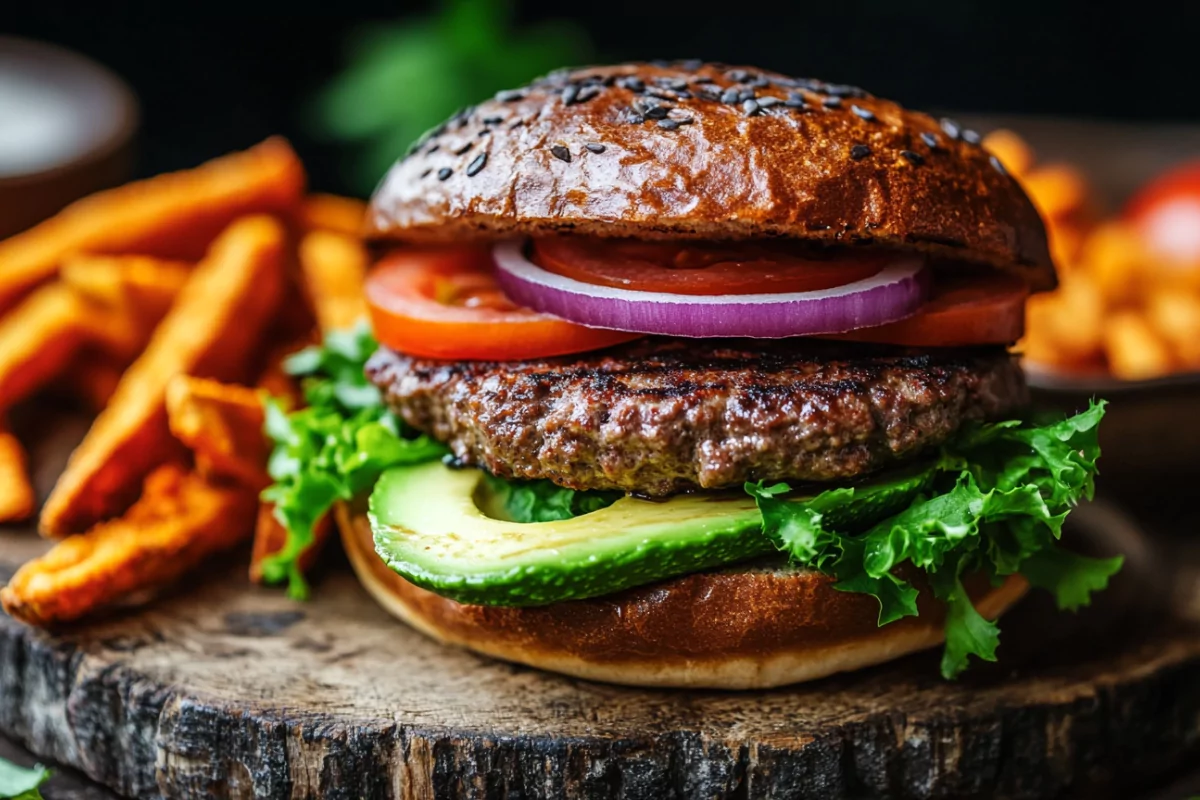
{"x":1166,"y":212}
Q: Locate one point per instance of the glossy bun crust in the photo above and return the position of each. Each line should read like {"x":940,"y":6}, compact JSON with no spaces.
{"x":731,"y":629}
{"x":705,"y":151}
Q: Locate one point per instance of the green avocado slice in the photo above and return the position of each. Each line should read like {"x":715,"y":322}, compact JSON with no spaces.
{"x":428,"y":528}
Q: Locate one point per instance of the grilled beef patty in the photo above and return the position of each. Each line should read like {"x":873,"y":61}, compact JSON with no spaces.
{"x":658,"y":416}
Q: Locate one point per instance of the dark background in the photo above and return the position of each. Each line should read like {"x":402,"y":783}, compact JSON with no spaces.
{"x":213,"y":77}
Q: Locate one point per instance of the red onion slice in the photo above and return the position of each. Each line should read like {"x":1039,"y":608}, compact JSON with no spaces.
{"x":894,"y":293}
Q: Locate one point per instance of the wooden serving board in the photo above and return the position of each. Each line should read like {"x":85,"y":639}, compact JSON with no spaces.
{"x":226,"y":689}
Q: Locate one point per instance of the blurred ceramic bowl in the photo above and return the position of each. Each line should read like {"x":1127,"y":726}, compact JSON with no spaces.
{"x":66,"y":130}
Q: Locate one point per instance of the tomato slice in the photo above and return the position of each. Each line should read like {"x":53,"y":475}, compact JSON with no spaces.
{"x":704,"y":268}
{"x":962,"y":310}
{"x":445,"y":303}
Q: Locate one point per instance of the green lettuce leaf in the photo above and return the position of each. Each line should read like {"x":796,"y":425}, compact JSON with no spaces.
{"x":996,"y":504}
{"x":543,"y":501}
{"x":21,"y":783}
{"x":341,"y":442}
{"x":333,"y":449}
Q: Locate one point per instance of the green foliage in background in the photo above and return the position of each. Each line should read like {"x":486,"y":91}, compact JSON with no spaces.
{"x":405,"y":77}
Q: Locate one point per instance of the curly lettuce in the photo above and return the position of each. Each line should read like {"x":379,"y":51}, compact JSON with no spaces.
{"x":21,"y":783}
{"x":337,"y":446}
{"x":995,"y":502}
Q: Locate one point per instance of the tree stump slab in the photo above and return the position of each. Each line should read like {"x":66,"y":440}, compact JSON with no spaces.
{"x":226,"y":689}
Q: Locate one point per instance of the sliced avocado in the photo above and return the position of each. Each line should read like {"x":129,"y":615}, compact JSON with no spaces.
{"x":429,"y":528}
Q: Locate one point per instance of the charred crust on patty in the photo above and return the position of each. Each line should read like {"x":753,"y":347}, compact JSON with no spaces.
{"x":659,"y":416}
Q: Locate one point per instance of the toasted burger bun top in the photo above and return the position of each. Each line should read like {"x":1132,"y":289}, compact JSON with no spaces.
{"x":738,"y":628}
{"x":706,"y":151}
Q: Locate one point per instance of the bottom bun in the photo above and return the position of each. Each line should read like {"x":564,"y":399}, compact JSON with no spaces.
{"x":739,"y":628}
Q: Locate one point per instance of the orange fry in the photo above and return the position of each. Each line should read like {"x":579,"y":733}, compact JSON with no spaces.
{"x":39,"y":337}
{"x":329,"y":212}
{"x":270,"y":536}
{"x":16,"y":492}
{"x":138,"y":285}
{"x":171,"y":216}
{"x":223,"y":425}
{"x":334,"y":266}
{"x":178,"y":521}
{"x":212,"y":330}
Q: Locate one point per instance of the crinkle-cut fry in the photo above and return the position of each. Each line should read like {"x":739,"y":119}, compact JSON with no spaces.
{"x":1133,"y":349}
{"x":223,"y":425}
{"x":16,"y":492}
{"x":330,"y":212}
{"x":212,"y":330}
{"x":334,"y":266}
{"x":179,"y":520}
{"x":171,"y":216}
{"x":39,"y":337}
{"x":1176,"y":317}
{"x":270,"y":536}
{"x":137,"y":285}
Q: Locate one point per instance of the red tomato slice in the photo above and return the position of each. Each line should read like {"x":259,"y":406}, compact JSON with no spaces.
{"x":963,"y":310}
{"x":446,"y":304}
{"x":703,"y":268}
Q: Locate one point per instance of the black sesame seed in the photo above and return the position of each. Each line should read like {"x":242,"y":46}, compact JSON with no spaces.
{"x":656,"y":112}
{"x":631,"y":83}
{"x":561,"y":153}
{"x":795,"y":101}
{"x":691,"y":64}
{"x":998,"y":165}
{"x":587,"y":93}
{"x":636,"y":119}
{"x":737,"y":75}
{"x":433,"y":149}
{"x":915,"y":158}
{"x":668,"y":124}
{"x":464,"y":148}
{"x":492,"y":120}
{"x":510,"y":95}
{"x":832,"y":102}
{"x":661,"y":94}
{"x":767,"y":102}
{"x":862,"y":112}
{"x":712,"y":95}
{"x":951,"y":128}
{"x":476,"y":165}
{"x":750,"y":107}
{"x":843,"y":90}
{"x":859,"y":152}
{"x":444,"y":172}
{"x":485,"y":132}
{"x":569,"y":94}
{"x":971,"y":137}
{"x":677,"y":84}
{"x":594,"y":147}
{"x":518,"y":124}
{"x":745,"y":94}
{"x":731,"y":96}
{"x":759,"y":82}
{"x":930,"y":139}
{"x":425,"y":173}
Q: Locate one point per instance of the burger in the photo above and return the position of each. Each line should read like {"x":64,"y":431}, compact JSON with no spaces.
{"x":681,"y":374}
